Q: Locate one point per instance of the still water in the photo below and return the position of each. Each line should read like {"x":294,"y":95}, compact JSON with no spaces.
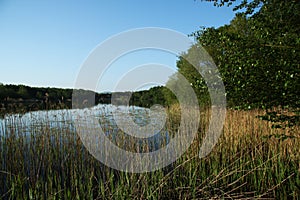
{"x":64,"y":121}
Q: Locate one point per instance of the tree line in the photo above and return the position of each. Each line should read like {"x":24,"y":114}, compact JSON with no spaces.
{"x":21,"y":98}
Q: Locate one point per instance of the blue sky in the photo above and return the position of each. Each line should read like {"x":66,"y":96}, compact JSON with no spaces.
{"x":44,"y":43}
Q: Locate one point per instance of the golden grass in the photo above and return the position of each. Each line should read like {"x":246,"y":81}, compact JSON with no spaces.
{"x":250,"y":160}
{"x":243,"y":128}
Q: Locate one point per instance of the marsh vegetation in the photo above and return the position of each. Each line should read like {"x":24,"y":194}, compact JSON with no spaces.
{"x":42,"y":160}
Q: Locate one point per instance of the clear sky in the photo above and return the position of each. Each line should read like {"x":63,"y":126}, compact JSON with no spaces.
{"x":44,"y":42}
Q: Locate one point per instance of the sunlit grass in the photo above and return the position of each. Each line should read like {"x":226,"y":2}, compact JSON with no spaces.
{"x":50,"y":162}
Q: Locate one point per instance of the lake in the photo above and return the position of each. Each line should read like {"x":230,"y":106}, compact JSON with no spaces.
{"x":64,"y":122}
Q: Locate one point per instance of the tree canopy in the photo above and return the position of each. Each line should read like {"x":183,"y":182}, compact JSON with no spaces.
{"x":257,"y":54}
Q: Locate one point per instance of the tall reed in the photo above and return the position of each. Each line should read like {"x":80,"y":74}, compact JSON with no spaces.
{"x":50,"y":162}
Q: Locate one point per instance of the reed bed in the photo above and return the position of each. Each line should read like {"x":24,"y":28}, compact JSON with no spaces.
{"x":251,"y":160}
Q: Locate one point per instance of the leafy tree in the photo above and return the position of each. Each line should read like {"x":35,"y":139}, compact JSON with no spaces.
{"x":248,"y":6}
{"x":39,"y":95}
{"x":257,"y":55}
{"x":22,"y":92}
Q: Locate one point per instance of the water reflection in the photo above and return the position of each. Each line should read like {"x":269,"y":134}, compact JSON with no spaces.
{"x":62,"y":121}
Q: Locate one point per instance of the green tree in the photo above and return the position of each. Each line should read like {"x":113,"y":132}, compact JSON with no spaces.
{"x":22,"y":92}
{"x":2,"y":91}
{"x":256,"y":54}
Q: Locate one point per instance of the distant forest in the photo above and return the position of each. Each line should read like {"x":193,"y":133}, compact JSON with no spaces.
{"x":21,"y":98}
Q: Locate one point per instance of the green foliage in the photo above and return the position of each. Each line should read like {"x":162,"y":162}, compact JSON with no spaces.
{"x":22,"y":92}
{"x":20,"y":98}
{"x":192,"y":75}
{"x":220,"y":3}
{"x":249,"y":7}
{"x":281,"y":121}
{"x":257,"y":55}
{"x":148,"y":98}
